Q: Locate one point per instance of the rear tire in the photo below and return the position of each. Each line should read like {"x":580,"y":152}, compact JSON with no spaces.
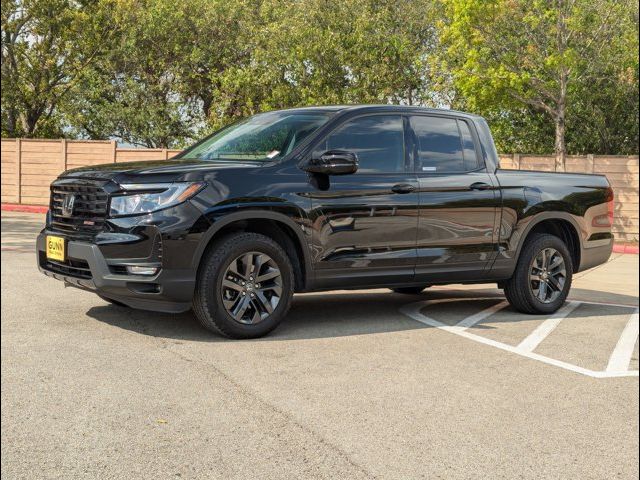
{"x":542,"y":278}
{"x":244,"y":286}
{"x":409,"y":290}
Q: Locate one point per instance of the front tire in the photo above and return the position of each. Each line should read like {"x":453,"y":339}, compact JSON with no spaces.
{"x":244,"y":286}
{"x":543,"y":275}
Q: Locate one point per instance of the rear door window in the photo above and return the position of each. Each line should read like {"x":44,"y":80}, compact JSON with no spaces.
{"x":443,"y":145}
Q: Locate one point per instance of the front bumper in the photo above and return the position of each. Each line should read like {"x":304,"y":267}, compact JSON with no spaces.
{"x":170,"y":290}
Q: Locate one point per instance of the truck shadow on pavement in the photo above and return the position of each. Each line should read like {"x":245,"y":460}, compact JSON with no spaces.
{"x":332,"y":314}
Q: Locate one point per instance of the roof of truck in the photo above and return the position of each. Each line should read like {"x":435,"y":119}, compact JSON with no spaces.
{"x":378,"y":107}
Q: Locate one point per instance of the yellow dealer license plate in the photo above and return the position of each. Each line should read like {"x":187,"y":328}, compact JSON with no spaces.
{"x":55,"y":248}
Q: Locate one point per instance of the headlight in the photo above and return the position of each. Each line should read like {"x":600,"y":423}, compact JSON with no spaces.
{"x":145,"y":198}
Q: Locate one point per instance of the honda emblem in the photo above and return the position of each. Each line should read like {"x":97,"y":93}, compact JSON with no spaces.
{"x":67,"y":205}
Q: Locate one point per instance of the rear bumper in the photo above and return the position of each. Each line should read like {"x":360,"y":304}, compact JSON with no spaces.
{"x":595,"y":252}
{"x":170,"y":290}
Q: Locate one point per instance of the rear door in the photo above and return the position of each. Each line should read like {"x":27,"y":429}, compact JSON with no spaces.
{"x":365,"y":223}
{"x":459,"y":202}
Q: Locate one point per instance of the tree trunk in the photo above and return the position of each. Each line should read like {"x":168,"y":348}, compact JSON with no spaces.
{"x":560,"y":145}
{"x":207,"y":103}
{"x":28,"y":125}
{"x":12,"y":122}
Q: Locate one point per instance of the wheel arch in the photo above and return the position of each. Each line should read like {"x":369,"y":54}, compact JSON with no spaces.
{"x":560,"y":224}
{"x":275,"y":225}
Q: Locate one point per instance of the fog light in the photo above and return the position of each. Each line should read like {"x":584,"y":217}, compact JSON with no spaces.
{"x":141,"y":270}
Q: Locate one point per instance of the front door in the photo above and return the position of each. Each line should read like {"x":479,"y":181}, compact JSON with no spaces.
{"x":459,"y":202}
{"x":365,"y":223}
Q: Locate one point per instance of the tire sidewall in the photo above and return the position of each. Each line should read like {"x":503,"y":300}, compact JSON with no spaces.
{"x":214,"y":276}
{"x":532,"y":250}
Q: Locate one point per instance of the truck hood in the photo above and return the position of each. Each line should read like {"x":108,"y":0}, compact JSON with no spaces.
{"x":156,"y":170}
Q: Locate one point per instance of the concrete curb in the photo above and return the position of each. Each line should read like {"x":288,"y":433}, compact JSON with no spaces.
{"x":13,"y":207}
{"x":621,"y":248}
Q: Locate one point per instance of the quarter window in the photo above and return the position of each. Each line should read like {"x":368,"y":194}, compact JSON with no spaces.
{"x":377,"y":140}
{"x":468,"y":147}
{"x":444,"y":145}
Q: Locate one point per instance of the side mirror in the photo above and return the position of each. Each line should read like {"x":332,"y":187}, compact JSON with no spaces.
{"x":333,"y":162}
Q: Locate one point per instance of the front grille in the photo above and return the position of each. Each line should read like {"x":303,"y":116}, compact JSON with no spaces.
{"x":89,"y":209}
{"x":72,"y":267}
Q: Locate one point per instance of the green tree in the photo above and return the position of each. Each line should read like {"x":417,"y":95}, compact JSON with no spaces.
{"x":512,"y":54}
{"x":165,"y":80}
{"x":132,"y":92}
{"x":223,"y":60}
{"x":604,"y":109}
{"x":47,"y":47}
{"x":332,"y":52}
{"x":557,"y":75}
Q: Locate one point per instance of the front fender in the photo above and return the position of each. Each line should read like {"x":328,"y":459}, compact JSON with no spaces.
{"x":286,"y":214}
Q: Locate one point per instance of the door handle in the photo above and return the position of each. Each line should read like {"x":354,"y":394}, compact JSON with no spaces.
{"x":480,"y":186}
{"x":403,"y":188}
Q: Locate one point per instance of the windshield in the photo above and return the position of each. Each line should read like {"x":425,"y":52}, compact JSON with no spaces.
{"x":263,"y":137}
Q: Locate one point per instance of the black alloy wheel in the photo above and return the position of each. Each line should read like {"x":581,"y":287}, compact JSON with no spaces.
{"x":244,"y":286}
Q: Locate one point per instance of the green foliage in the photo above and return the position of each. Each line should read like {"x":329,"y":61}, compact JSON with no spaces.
{"x":134,"y":92}
{"x":161,"y":73}
{"x":573,"y":62}
{"x":47,"y":47}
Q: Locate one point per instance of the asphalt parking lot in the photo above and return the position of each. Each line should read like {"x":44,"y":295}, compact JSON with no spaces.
{"x":448,"y":384}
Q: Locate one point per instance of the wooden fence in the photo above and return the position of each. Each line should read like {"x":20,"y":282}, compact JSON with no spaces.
{"x":30,"y":165}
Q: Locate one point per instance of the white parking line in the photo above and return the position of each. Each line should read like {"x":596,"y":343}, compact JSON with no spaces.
{"x":622,"y":352}
{"x":530,"y":343}
{"x":621,"y":356}
{"x":478,"y":317}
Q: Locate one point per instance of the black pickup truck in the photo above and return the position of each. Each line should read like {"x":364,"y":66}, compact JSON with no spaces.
{"x":308,"y":199}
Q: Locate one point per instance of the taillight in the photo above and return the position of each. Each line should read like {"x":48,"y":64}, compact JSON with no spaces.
{"x":606,"y":220}
{"x":610,"y":206}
